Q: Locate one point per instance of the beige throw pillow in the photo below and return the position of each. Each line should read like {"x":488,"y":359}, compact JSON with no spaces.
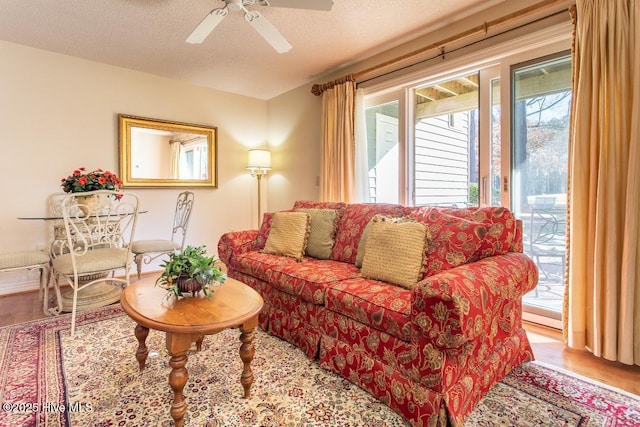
{"x":395,"y":252}
{"x":322,"y":234}
{"x":362,"y":244}
{"x":288,"y":235}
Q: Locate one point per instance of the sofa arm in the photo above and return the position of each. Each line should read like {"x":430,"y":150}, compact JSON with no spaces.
{"x":456,"y":306}
{"x":234,"y":243}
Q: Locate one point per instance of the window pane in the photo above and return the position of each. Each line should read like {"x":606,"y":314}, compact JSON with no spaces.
{"x":383,"y":152}
{"x":541,"y":104}
{"x":446,"y":143}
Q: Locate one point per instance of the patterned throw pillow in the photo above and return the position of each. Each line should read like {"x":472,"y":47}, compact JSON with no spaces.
{"x":394,"y":252}
{"x":322,"y":234}
{"x":289,"y":234}
{"x":454,"y":240}
{"x":501,"y":228}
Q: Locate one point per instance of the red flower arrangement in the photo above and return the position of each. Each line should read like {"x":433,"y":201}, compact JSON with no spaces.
{"x":81,"y":181}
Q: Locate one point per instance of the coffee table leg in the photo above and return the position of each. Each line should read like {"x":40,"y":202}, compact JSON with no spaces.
{"x":178,"y":345}
{"x":142,"y":352}
{"x":247,"y":351}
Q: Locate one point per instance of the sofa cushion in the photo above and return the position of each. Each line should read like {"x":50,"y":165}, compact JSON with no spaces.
{"x":309,"y":278}
{"x":260,"y":265}
{"x":353,"y":222}
{"x":394,"y":251}
{"x":382,"y":306}
{"x":501,"y":224}
{"x":454,"y":241}
{"x":288,"y":235}
{"x":322,"y":231}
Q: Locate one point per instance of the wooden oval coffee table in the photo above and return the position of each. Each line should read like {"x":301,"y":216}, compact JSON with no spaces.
{"x":188,"y":320}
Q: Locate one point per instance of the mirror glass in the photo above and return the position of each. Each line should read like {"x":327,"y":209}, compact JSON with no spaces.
{"x":158,"y":153}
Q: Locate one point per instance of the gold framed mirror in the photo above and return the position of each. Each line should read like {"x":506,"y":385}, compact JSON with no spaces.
{"x":160,"y":153}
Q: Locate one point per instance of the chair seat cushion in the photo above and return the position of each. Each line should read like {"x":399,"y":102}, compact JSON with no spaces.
{"x":93,"y":261}
{"x":144,"y":246}
{"x":22,"y":259}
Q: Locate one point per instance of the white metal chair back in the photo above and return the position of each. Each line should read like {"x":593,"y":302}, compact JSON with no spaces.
{"x":146,"y":251}
{"x":184,"y":206}
{"x":99,"y":228}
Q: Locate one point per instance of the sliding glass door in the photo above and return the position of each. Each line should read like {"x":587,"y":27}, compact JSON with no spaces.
{"x":541,"y":103}
{"x":494,"y":134}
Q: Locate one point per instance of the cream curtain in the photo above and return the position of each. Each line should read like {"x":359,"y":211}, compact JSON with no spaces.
{"x":337,"y":169}
{"x":174,"y":159}
{"x":602,"y":313}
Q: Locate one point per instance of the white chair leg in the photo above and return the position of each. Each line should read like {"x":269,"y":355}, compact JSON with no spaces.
{"x":73,"y":309}
{"x":56,"y":288}
{"x":138,"y":260}
{"x":44,"y":288}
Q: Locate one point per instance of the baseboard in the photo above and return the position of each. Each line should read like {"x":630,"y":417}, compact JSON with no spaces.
{"x":19,"y":287}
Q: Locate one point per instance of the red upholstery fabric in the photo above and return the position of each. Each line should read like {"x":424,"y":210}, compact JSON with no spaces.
{"x":295,"y":321}
{"x":454,"y":241}
{"x":235,"y":243}
{"x":309,"y":204}
{"x":260,"y":265}
{"x":501,"y":223}
{"x":354,"y":220}
{"x":309,"y":279}
{"x":376,"y":304}
{"x":263,"y":232}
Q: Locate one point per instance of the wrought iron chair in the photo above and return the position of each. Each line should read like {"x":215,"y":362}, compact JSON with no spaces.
{"x":97,"y":244}
{"x":149,"y":250}
{"x":547,"y":233}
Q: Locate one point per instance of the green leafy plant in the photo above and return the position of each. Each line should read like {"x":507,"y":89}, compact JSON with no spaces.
{"x":190,"y":270}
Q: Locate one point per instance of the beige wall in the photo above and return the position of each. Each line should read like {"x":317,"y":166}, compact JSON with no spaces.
{"x":58,"y":113}
{"x":295,"y":141}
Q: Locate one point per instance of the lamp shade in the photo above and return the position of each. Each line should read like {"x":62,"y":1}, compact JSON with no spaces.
{"x":259,"y":159}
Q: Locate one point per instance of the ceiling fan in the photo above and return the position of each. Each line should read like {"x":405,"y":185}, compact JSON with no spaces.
{"x":255,"y":19}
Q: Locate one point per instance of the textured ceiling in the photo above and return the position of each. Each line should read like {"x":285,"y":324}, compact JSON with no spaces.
{"x":149,"y":36}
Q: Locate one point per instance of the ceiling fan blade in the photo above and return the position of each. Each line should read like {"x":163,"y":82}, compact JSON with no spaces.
{"x":206,"y":26}
{"x":267,"y":31}
{"x":299,"y":4}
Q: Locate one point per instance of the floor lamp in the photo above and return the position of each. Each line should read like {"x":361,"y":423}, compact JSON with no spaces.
{"x":259,"y":163}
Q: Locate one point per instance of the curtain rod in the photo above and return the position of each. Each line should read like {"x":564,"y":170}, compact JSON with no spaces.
{"x":318,"y":89}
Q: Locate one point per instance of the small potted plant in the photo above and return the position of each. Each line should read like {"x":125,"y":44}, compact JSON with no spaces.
{"x":190,"y":271}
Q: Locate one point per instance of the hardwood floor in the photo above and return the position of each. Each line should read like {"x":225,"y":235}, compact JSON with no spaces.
{"x":547,"y":345}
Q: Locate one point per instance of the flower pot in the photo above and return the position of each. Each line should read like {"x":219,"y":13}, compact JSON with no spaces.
{"x":93,"y":204}
{"x":189,"y":285}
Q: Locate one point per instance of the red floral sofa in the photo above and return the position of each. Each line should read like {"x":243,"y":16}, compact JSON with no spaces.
{"x":430,"y":352}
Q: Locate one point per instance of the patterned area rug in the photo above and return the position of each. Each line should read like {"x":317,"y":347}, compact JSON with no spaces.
{"x":48,"y":378}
